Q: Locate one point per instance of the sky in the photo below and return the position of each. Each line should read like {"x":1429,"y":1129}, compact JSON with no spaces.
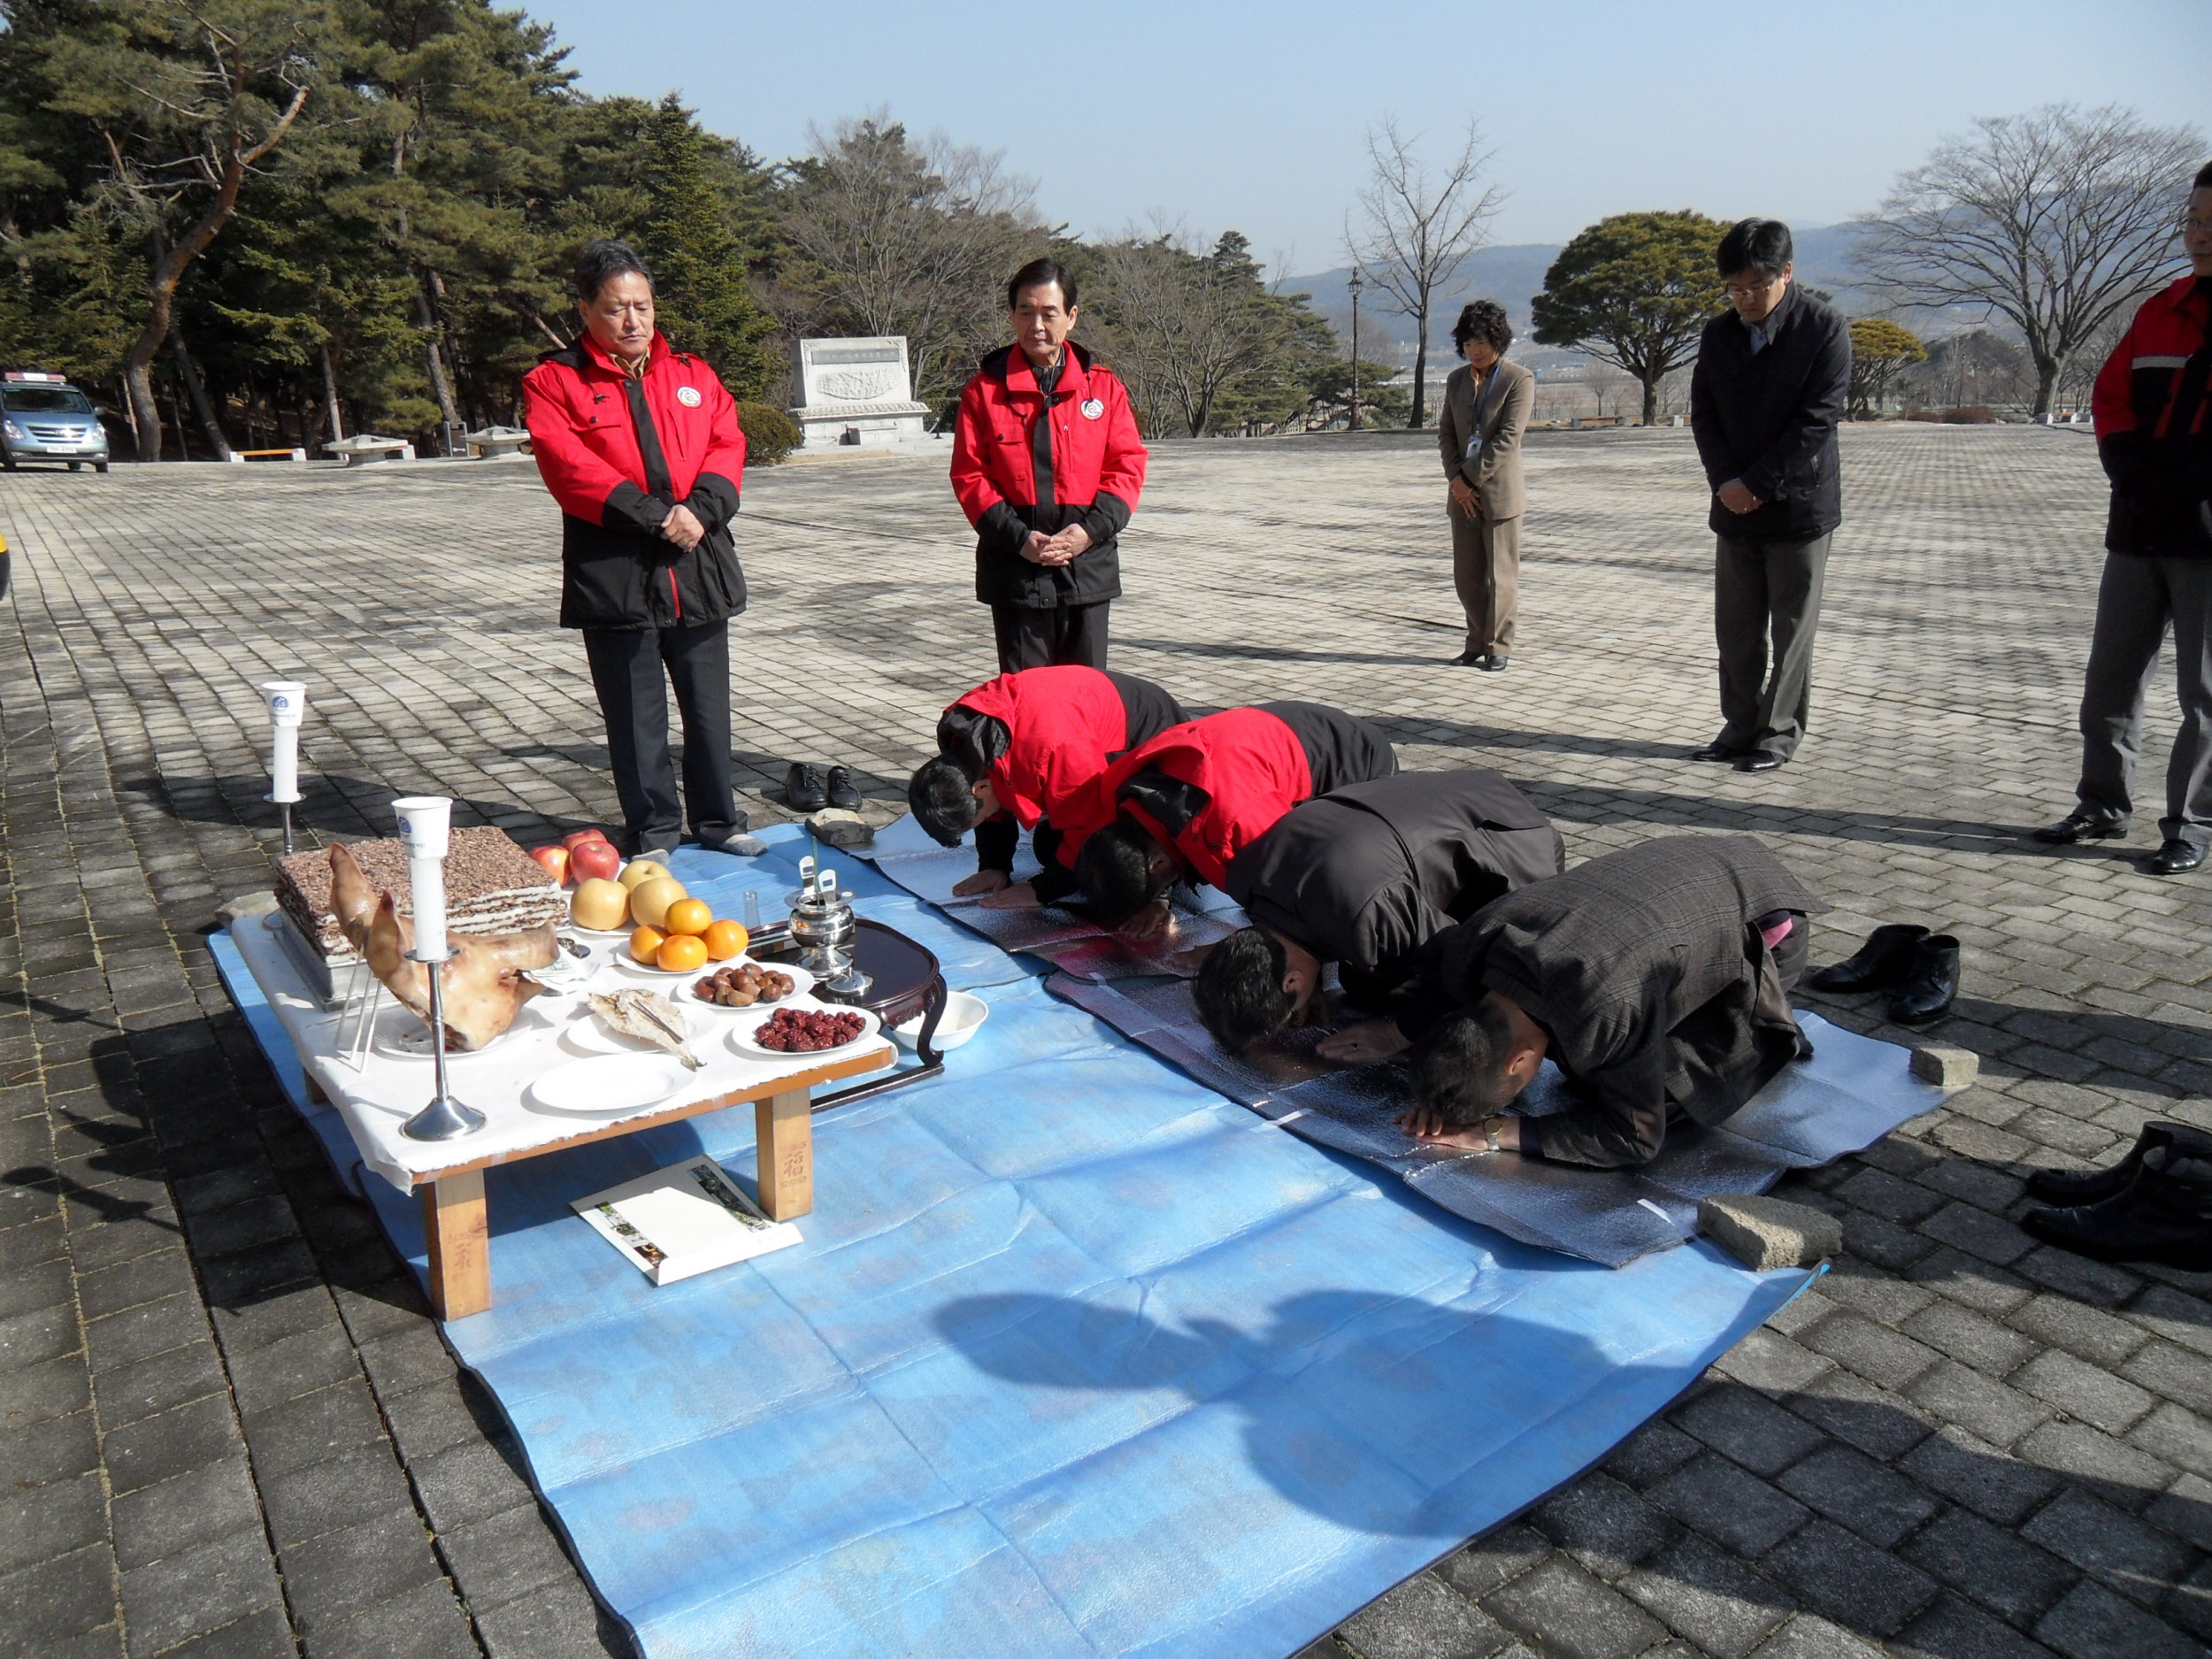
{"x":1254,"y":116}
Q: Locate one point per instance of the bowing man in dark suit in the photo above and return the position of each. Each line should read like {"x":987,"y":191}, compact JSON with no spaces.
{"x":1363,"y":877}
{"x":1656,"y":978}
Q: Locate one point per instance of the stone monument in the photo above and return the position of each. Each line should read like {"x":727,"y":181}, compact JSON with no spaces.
{"x":858,"y":392}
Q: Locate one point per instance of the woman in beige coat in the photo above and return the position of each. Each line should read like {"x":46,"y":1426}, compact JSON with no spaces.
{"x":1486,"y":409}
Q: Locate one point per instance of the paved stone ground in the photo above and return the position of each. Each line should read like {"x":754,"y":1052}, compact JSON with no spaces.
{"x":230,"y":1428}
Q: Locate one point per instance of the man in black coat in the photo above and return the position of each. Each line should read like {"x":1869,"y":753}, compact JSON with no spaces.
{"x":1655,"y":979}
{"x":1771,"y":379}
{"x":1363,"y":877}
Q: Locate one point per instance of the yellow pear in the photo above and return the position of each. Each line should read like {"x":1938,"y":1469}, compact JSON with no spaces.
{"x":649,"y":900}
{"x":640,"y":869}
{"x":600,"y":905}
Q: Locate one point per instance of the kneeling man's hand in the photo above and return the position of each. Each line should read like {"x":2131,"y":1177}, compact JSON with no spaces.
{"x":1021,"y":896}
{"x":1370,"y":1040}
{"x":981,"y":881}
{"x":1148,"y":922}
{"x":1427,"y":1127}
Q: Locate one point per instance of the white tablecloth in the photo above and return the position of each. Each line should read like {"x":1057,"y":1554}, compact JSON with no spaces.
{"x":385,"y":1092}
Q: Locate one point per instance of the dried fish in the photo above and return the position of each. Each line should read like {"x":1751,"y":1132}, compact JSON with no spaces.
{"x":645,"y":1017}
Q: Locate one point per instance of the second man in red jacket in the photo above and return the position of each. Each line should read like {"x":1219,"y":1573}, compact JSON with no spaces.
{"x":1047,"y":465}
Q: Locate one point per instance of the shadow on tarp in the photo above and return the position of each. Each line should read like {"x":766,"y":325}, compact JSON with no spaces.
{"x":1295,"y":1383}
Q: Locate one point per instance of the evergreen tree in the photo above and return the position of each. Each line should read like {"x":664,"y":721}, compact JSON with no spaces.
{"x":1635,"y":290}
{"x":699,"y":282}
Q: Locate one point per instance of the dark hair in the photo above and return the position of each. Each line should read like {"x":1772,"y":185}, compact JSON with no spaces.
{"x":1762,"y":245}
{"x":1459,"y":1068}
{"x":1115,"y":869}
{"x":603,"y":261}
{"x":1239,"y":988}
{"x":1485,"y":320}
{"x":941,"y":796}
{"x":1035,"y":274}
{"x":2204,"y":178}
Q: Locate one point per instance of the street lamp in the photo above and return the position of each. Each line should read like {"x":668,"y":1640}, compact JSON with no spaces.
{"x":1355,"y":284}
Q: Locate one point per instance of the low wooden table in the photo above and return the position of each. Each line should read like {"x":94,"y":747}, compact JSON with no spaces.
{"x":457,"y":1226}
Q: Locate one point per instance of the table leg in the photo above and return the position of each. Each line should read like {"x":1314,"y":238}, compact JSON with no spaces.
{"x":460,"y":1253}
{"x":783,"y":1125}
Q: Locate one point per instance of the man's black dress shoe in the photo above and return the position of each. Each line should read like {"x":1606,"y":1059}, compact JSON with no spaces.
{"x":1492,"y":664}
{"x":841,"y":794}
{"x":2164,"y":1214}
{"x":1467,"y":659}
{"x":2082,"y":825}
{"x":1716,"y":751}
{"x":1882,"y":962}
{"x":2174,"y":859}
{"x":803,"y":788}
{"x":1931,"y":983}
{"x":1759,"y":760}
{"x":2070,"y":1187}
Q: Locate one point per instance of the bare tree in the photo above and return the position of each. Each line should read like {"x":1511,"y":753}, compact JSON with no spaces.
{"x":896,"y":238}
{"x":1416,"y":228}
{"x":2056,"y":220}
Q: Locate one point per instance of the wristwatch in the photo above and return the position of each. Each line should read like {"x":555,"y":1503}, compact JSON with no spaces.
{"x":1490,"y":1132}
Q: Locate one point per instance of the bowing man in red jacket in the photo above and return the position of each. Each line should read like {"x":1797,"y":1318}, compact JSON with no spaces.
{"x":1019,"y":753}
{"x":1047,"y":465}
{"x":1182,"y":806}
{"x":641,"y":446}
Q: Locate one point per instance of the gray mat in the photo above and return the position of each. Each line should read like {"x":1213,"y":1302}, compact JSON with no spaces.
{"x":1854,"y":1091}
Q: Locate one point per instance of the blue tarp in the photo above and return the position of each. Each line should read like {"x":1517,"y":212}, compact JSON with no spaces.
{"x":1078,"y":1357}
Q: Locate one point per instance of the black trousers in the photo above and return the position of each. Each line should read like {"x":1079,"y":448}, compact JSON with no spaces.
{"x":1763,"y":590}
{"x":626,"y":669}
{"x":1069,"y":636}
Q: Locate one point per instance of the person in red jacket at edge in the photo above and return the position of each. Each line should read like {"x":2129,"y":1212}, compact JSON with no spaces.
{"x":1181,"y":808}
{"x":2154,"y":411}
{"x":639,"y":445}
{"x":1047,"y":465}
{"x":1016,"y":754}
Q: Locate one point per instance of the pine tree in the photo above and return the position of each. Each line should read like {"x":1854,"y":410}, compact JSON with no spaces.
{"x":699,"y":287}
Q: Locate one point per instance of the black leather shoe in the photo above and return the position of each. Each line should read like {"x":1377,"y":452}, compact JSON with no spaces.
{"x":1492,"y":664}
{"x":1759,"y":760}
{"x":1882,"y":962}
{"x":2070,"y":1187}
{"x":1716,"y":751}
{"x":1930,"y":984}
{"x":2163,"y":1215}
{"x":1467,"y":659}
{"x":2175,"y":857}
{"x":803,"y":788}
{"x":841,"y":791}
{"x":2082,"y":825}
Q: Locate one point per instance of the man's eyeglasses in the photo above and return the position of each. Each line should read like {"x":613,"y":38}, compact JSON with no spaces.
{"x":1750,"y":290}
{"x":2195,"y":226}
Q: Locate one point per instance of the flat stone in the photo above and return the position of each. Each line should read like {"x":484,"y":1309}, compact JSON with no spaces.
{"x":1947,"y":1068}
{"x":840,"y":828}
{"x":1765,"y":1234}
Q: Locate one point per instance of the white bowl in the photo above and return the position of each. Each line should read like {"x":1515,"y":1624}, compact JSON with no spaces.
{"x":964,"y":1016}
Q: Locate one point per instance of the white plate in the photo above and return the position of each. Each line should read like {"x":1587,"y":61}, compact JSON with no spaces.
{"x":802,"y":982}
{"x":608,"y":1086}
{"x":742,"y":1035}
{"x":402,"y":1035}
{"x":587,"y":1033}
{"x":630,"y":964}
{"x":597,"y":933}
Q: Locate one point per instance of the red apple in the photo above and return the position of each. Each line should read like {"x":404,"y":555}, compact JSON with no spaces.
{"x":555,"y":862}
{"x":577,"y":839}
{"x":594,"y":861}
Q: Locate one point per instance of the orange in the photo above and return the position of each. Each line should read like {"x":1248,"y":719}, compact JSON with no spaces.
{"x":725,"y":940}
{"x":645,"y":942}
{"x":682,"y":953}
{"x":688,"y":916}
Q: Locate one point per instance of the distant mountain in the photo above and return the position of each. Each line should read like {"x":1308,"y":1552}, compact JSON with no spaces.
{"x":1513,"y":275}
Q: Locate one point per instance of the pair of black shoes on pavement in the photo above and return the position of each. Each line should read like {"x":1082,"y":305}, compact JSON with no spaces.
{"x":2155,"y":1205}
{"x":2174,"y":857}
{"x":808,"y":790}
{"x":1489,"y":662}
{"x":1921,"y":967}
{"x":1742,"y":759}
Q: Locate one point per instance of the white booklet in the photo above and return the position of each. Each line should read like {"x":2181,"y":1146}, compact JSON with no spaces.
{"x":685,"y":1220}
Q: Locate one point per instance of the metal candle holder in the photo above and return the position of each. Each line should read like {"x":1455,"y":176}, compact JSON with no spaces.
{"x":445,"y":1118}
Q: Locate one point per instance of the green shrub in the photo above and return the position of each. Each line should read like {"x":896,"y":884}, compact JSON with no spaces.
{"x":770,"y":433}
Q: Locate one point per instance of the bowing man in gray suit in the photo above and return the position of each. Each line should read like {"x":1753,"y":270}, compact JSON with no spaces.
{"x":1656,"y":978}
{"x":1487,"y":404}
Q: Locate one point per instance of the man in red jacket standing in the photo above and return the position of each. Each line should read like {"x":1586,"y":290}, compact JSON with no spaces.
{"x":641,"y":446}
{"x":1047,"y":465}
{"x":2154,"y":411}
